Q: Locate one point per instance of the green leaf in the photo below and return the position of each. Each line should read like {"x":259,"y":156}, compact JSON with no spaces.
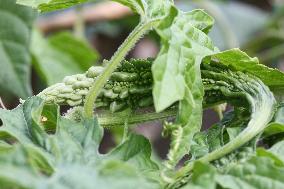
{"x":277,"y":126}
{"x":135,"y":5}
{"x":14,"y":45}
{"x":255,"y":173}
{"x":20,"y":176}
{"x":78,"y":49}
{"x":176,"y":72}
{"x":219,"y":135}
{"x":178,"y":53}
{"x":50,"y":5}
{"x":110,"y":174}
{"x":25,"y":125}
{"x":240,"y":61}
{"x":148,"y":9}
{"x":276,"y":152}
{"x":136,"y":150}
{"x":207,"y":141}
{"x":272,"y":129}
{"x":17,"y":172}
{"x":61,"y":55}
{"x":22,"y":123}
{"x":203,"y":177}
{"x":68,"y":157}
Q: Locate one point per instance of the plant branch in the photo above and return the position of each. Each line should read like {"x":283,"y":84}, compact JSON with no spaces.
{"x":129,"y":43}
{"x":79,"y":26}
{"x":111,"y":119}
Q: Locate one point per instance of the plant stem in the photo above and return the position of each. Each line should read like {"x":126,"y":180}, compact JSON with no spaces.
{"x":122,"y":51}
{"x":107,"y":120}
{"x":79,"y":26}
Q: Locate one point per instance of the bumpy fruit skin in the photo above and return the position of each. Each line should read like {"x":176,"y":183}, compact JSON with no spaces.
{"x":129,"y":86}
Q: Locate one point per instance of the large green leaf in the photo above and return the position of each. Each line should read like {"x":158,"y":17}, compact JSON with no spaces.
{"x":148,"y":9}
{"x":22,"y":122}
{"x":135,"y":5}
{"x":255,"y":173}
{"x":203,"y":177}
{"x":240,"y":61}
{"x":17,"y":171}
{"x":15,"y":24}
{"x":50,"y":5}
{"x":67,"y":157}
{"x":61,"y":55}
{"x":136,"y":150}
{"x":184,"y":44}
{"x":176,"y":72}
{"x":25,"y":124}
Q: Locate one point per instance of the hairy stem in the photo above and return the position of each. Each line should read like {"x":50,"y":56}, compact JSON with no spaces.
{"x":108,"y":120}
{"x":131,"y":40}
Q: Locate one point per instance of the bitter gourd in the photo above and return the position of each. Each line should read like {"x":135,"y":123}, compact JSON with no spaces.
{"x":131,"y":86}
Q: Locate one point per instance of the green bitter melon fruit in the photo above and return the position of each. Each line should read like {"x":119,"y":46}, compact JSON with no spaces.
{"x":131,"y":86}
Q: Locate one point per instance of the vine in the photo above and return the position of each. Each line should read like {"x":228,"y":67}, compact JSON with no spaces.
{"x":50,"y":150}
{"x":122,"y":51}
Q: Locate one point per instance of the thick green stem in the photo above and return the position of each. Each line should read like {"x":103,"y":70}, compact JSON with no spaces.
{"x":131,"y":40}
{"x":108,"y":120}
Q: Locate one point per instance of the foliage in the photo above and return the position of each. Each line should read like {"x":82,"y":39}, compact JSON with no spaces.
{"x":49,"y":57}
{"x":49,"y":5}
{"x":60,"y":55}
{"x":40,"y":148}
{"x":57,"y":160}
{"x":14,"y":54}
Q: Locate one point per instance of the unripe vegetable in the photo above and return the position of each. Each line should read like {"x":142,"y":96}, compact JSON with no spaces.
{"x":132,"y":80}
{"x":130,"y":85}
